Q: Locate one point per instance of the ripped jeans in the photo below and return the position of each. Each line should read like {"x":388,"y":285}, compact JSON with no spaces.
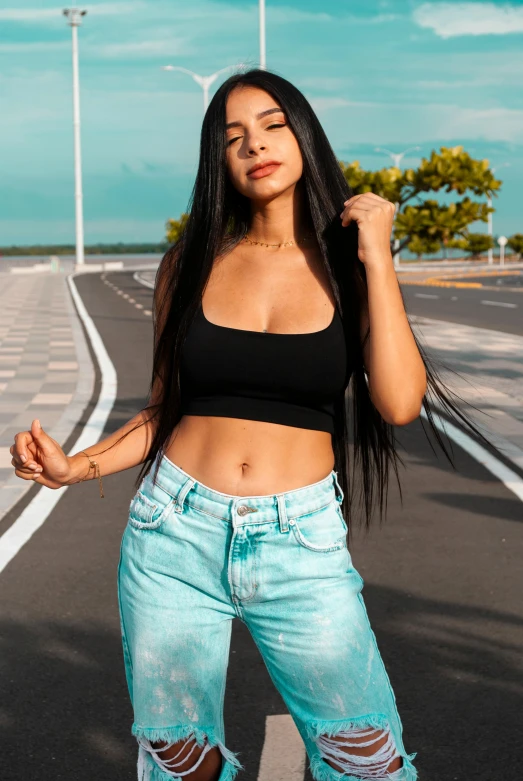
{"x":192,"y":559}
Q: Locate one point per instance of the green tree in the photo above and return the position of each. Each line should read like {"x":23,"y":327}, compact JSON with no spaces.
{"x":425,"y":225}
{"x":475,"y":243}
{"x":175,"y":228}
{"x":515,"y":243}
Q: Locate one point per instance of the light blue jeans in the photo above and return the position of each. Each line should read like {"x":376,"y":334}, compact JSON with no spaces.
{"x":192,"y":559}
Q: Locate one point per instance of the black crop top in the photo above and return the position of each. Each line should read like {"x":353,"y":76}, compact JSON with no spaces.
{"x":292,"y":379}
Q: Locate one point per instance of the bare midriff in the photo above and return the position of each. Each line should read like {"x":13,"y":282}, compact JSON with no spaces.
{"x":249,"y":457}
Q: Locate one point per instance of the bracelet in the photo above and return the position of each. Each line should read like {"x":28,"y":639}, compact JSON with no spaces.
{"x":94,"y":465}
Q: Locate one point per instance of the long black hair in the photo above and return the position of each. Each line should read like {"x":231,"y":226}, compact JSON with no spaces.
{"x":364,"y":444}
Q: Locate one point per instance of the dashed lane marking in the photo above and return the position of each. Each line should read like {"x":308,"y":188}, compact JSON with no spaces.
{"x":127,"y":297}
{"x":499,"y":303}
{"x":283,"y":755}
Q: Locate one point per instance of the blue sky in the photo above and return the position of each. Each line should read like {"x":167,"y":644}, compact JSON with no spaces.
{"x":390,"y":73}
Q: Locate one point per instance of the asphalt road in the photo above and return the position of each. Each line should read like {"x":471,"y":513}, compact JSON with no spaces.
{"x":501,"y":310}
{"x":443,"y":592}
{"x":510,"y":280}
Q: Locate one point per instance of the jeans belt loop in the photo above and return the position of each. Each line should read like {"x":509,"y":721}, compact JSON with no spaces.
{"x":282,"y":513}
{"x":182,"y":493}
{"x":340,"y":495}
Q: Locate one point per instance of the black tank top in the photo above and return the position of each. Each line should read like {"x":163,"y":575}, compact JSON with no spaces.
{"x":292,"y":379}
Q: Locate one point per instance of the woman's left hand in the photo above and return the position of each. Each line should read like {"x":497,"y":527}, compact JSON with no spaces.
{"x":375,"y":216}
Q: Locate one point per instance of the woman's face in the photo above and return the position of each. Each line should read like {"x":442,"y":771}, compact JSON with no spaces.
{"x":258,"y":137}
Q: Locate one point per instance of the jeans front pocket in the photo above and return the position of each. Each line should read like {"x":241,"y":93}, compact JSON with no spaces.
{"x":149,"y":513}
{"x":322,"y":530}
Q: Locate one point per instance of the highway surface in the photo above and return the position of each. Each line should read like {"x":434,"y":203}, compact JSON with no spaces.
{"x":501,"y":310}
{"x":443,"y":589}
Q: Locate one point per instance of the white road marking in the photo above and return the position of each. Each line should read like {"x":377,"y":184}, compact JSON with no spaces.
{"x":509,"y":478}
{"x":283,"y":754}
{"x":43,"y":503}
{"x":425,"y":295}
{"x":144,"y":282}
{"x":499,"y":303}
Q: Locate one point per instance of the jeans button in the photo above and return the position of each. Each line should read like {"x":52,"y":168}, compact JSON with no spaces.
{"x":242,"y":509}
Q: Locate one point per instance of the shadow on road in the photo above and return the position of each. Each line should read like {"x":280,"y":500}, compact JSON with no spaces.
{"x":65,"y":712}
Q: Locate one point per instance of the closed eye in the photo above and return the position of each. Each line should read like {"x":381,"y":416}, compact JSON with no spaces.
{"x":237,"y":137}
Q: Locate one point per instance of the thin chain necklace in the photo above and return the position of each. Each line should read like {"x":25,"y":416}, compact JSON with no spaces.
{"x":283,"y":243}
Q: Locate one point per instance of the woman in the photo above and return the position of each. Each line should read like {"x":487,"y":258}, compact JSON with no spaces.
{"x":280,"y":291}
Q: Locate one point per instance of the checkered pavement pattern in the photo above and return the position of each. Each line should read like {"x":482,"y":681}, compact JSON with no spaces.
{"x":40,"y":372}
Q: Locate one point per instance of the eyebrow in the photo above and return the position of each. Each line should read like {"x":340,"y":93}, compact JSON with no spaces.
{"x":258,"y":116}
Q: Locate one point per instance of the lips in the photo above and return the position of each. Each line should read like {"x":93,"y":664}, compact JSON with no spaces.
{"x":264,"y":170}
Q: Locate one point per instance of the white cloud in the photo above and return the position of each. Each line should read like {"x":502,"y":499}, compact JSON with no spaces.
{"x":451,"y":19}
{"x":326,"y":83}
{"x":458,"y":84}
{"x":502,"y":124}
{"x":325,"y":104}
{"x":34,"y":47}
{"x":202,"y":10}
{"x":51,"y":14}
{"x":168,"y":47}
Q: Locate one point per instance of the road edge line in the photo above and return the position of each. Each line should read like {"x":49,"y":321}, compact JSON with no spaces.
{"x":508,"y":477}
{"x":144,"y":282}
{"x":36,"y":512}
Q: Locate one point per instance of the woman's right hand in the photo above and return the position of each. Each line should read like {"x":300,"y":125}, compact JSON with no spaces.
{"x":38,"y":457}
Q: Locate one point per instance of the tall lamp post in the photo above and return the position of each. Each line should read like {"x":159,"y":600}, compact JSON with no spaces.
{"x":262,"y":34}
{"x":74,"y":16}
{"x":489,"y":216}
{"x":397,"y":157}
{"x":204,"y":81}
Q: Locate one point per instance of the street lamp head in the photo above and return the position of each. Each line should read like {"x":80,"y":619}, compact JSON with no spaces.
{"x":74,"y":15}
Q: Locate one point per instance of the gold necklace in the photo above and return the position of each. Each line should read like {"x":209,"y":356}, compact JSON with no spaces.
{"x":283,"y":244}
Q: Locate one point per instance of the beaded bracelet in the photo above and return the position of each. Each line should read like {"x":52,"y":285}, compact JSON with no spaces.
{"x":94,"y":465}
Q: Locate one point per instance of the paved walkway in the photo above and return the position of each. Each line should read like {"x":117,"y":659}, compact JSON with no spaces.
{"x":490,"y":365}
{"x":45,"y":368}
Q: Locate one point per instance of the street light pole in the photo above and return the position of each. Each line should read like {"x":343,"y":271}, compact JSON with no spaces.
{"x":397,"y":158}
{"x":262,"y":34}
{"x":204,"y":81}
{"x":74,"y":16}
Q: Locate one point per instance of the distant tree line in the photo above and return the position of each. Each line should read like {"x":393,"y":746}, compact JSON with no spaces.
{"x":120,"y":248}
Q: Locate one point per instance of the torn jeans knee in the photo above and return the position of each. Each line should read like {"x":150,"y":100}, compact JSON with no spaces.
{"x":362,"y":749}
{"x":154,"y":766}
